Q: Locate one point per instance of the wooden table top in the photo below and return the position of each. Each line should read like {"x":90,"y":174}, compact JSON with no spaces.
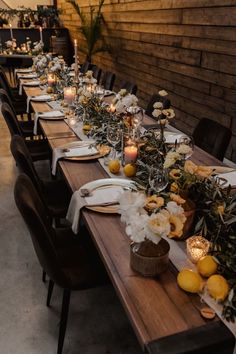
{"x":157,"y":308}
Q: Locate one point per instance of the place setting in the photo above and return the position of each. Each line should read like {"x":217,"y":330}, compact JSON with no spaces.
{"x":100,"y":195}
{"x":84,"y":150}
{"x":50,"y":115}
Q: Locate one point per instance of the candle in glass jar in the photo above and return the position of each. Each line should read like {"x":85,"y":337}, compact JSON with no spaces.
{"x":11,"y":32}
{"x":69,"y":94}
{"x":112,"y":108}
{"x":197,"y":247}
{"x":51,"y":79}
{"x":41,"y":34}
{"x":130,"y":154}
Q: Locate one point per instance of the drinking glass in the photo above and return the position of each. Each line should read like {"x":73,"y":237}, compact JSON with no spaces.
{"x":185,"y":141}
{"x":114,"y":134}
{"x":158,"y":179}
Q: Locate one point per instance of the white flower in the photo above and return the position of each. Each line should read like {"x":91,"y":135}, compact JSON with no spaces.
{"x":158,"y":105}
{"x":163,"y":93}
{"x":171,"y":158}
{"x":159,"y":225}
{"x":123,"y":92}
{"x":184,"y":149}
{"x":169,"y":113}
{"x":156,"y":113}
{"x":174,"y":208}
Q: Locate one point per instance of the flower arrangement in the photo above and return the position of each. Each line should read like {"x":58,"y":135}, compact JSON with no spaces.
{"x":88,"y":78}
{"x":151,"y":218}
{"x":41,"y":61}
{"x":123,"y":101}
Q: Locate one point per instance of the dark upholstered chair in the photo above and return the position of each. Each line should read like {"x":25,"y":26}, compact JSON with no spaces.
{"x":85,"y":67}
{"x":67,"y":261}
{"x":156,"y":98}
{"x":129,"y":86}
{"x":54,"y":193}
{"x":97,"y":72}
{"x":18,"y":101}
{"x":39,"y":149}
{"x":212,"y":137}
{"x":25,"y":126}
{"x":108,"y":80}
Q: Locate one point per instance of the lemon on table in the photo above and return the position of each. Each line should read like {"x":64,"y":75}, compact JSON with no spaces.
{"x":217,"y":287}
{"x":114,"y":166}
{"x":87,"y":127}
{"x":130,"y":170}
{"x":207,"y":266}
{"x":189,"y":281}
{"x":49,"y":90}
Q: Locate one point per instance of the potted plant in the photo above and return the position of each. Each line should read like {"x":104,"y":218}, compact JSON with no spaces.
{"x":91,"y":28}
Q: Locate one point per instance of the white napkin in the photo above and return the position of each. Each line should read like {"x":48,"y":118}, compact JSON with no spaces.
{"x":99,"y":196}
{"x":77,"y":148}
{"x":28,"y":83}
{"x":24,"y":70}
{"x":172,"y":137}
{"x":40,"y":98}
{"x":109,"y":93}
{"x":230,"y":177}
{"x":46,"y":115}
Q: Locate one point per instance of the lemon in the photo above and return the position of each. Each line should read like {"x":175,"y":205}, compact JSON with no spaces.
{"x":87,"y":127}
{"x":217,"y":287}
{"x":130,"y":170}
{"x":114,"y":166}
{"x":189,"y":280}
{"x":207,"y":266}
{"x":49,"y":90}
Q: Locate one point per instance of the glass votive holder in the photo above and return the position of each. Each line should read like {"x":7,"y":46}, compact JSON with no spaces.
{"x":69,"y":94}
{"x":197,"y":247}
{"x":51,"y":79}
{"x":130,"y":152}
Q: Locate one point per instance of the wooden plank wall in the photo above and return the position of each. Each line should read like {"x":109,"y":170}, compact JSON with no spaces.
{"x":187,"y":47}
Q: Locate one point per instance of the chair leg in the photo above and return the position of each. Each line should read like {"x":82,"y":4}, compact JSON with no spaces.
{"x":44,"y":276}
{"x":50,"y":290}
{"x":63,"y":321}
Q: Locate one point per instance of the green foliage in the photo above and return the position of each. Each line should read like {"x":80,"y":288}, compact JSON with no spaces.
{"x":91,"y":28}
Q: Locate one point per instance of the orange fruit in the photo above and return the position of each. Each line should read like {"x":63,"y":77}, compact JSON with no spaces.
{"x":114,"y":166}
{"x":130,"y":170}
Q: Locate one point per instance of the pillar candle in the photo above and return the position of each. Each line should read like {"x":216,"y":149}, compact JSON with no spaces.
{"x":69,"y":94}
{"x":41,"y":34}
{"x":76,"y":60}
{"x":51,"y":79}
{"x":11,"y":31}
{"x":130,"y":154}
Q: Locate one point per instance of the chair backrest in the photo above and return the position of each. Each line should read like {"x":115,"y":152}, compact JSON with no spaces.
{"x":97,"y":72}
{"x":212,"y":137}
{"x":129,"y":86}
{"x":41,"y":231}
{"x":108,"y":80}
{"x":4,"y":84}
{"x":24,"y":161}
{"x":4,"y":97}
{"x":157,"y":98}
{"x":85,"y":67}
{"x":11,"y":120}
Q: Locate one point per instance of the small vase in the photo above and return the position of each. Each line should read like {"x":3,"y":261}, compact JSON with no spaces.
{"x":149,"y":259}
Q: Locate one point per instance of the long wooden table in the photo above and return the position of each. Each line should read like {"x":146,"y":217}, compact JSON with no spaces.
{"x":165,"y":319}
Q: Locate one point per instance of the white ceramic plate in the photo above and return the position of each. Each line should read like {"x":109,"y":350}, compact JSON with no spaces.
{"x":99,"y":183}
{"x":31,"y":83}
{"x":43,"y":98}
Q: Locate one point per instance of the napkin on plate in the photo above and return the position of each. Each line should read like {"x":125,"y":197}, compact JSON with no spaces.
{"x":230,"y":178}
{"x":27,"y":76}
{"x":46,"y":115}
{"x":108,"y":93}
{"x":76,"y":148}
{"x":107,"y":194}
{"x":40,"y":98}
{"x":28,"y":83}
{"x":171,"y":137}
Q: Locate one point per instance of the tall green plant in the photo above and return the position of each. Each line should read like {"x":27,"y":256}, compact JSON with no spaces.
{"x":91,"y":28}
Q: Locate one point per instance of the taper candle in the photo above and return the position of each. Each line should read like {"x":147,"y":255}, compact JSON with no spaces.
{"x":11,"y":32}
{"x":41,"y":34}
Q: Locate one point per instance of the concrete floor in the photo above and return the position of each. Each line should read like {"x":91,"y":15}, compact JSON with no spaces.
{"x":97,"y":323}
